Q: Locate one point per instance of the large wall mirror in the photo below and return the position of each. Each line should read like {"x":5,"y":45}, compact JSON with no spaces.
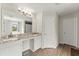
{"x":12,"y":22}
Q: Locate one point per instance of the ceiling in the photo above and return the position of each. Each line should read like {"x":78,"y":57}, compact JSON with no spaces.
{"x":59,"y":8}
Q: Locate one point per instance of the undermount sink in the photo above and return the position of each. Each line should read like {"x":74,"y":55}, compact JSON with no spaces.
{"x":10,"y":39}
{"x":34,"y":33}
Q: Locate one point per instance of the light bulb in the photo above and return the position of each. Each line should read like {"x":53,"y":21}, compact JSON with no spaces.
{"x":19,"y":9}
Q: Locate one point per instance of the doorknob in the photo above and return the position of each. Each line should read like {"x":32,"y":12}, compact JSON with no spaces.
{"x":64,"y":32}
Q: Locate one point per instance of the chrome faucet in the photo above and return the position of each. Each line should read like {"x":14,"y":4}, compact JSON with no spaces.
{"x":10,"y":35}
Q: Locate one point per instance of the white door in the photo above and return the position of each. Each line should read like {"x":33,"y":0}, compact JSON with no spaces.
{"x":69,"y":31}
{"x":48,"y":27}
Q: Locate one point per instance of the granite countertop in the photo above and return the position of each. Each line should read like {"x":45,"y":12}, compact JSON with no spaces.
{"x":24,"y":36}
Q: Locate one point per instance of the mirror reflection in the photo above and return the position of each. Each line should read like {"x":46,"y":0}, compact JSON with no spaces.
{"x":13,"y":22}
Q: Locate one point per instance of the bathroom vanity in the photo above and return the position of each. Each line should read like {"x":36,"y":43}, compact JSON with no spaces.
{"x":16,"y":45}
{"x":19,"y":32}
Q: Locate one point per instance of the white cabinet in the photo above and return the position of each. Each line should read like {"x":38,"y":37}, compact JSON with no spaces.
{"x":11,"y":49}
{"x":34,"y":24}
{"x":15,"y":48}
{"x":32,"y":44}
{"x":37,"y":27}
{"x":25,"y":45}
{"x":37,"y":23}
{"x":37,"y":43}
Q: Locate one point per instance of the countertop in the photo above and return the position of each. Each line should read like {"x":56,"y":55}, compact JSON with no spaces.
{"x":24,"y":36}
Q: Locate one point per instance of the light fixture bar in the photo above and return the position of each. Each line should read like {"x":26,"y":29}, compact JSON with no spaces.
{"x":25,"y":11}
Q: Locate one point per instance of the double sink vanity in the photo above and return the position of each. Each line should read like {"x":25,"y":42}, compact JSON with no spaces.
{"x":19,"y":32}
{"x":19,"y":43}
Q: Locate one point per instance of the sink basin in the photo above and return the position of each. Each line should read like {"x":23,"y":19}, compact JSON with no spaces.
{"x":10,"y":39}
{"x":34,"y":33}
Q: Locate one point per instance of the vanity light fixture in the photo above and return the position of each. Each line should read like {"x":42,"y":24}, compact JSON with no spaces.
{"x":25,"y":12}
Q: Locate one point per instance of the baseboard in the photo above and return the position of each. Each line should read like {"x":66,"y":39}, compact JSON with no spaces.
{"x":50,"y":46}
{"x":36,"y":49}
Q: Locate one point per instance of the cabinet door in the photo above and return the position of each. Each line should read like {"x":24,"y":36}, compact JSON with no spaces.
{"x":37,"y":23}
{"x":34,"y":24}
{"x":32,"y":44}
{"x":25,"y":45}
{"x":11,"y":49}
{"x":37,"y":43}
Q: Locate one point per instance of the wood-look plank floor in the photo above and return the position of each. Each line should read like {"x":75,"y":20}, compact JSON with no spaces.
{"x":61,"y":50}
